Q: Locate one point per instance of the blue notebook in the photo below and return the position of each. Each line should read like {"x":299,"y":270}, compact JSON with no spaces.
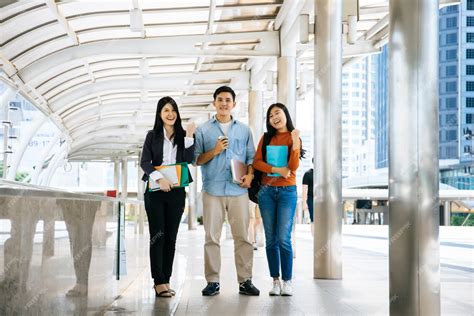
{"x":277,"y":156}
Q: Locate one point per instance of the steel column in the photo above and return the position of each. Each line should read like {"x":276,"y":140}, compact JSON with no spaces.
{"x":413,"y":158}
{"x":327,"y":141}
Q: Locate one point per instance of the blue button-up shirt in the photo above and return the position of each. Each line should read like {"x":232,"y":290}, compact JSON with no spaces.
{"x":216,"y":174}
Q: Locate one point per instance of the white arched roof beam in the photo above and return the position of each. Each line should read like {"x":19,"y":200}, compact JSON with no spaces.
{"x":111,"y":131}
{"x":161,"y":83}
{"x":79,"y":121}
{"x":106,"y":66}
{"x":125,"y":122}
{"x":95,"y":143}
{"x":149,"y":115}
{"x":131,"y":121}
{"x":110,"y":32}
{"x":81,"y":81}
{"x":111,"y":140}
{"x":102,"y":155}
{"x":106,"y":145}
{"x":105,"y":125}
{"x":106,"y":97}
{"x":168,"y":46}
{"x":108,"y":152}
{"x":88,"y":14}
{"x":125,"y":118}
{"x":101,"y":64}
{"x":95,"y":139}
{"x":80,"y":114}
{"x":85,"y":75}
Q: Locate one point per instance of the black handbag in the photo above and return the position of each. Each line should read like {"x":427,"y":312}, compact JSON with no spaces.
{"x":257,"y":175}
{"x":255,"y":186}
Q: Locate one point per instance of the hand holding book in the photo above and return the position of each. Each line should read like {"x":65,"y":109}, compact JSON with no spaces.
{"x":174,"y":176}
{"x":282,"y":171}
{"x":246,"y":181}
{"x":165,"y":185}
{"x":277,"y":157}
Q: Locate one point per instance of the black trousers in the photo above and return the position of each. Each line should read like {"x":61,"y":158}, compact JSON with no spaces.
{"x":164,"y":211}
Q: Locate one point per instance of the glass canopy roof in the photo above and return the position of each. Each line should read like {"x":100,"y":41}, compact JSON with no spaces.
{"x":97,"y":68}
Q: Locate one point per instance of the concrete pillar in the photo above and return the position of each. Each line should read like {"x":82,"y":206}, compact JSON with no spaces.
{"x":5,"y":103}
{"x":6,"y":133}
{"x":447,"y":213}
{"x":48,"y":233}
{"x":192,"y":193}
{"x":413,"y":158}
{"x":140,"y":191}
{"x":287,"y":83}
{"x":116,"y":176}
{"x":286,"y":92}
{"x":124,"y":188}
{"x":327,"y":140}
{"x":256,"y":107}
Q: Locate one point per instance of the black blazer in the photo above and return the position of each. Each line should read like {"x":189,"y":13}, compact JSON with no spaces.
{"x":152,"y":154}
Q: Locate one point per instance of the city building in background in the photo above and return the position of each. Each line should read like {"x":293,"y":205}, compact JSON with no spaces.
{"x":456,"y":97}
{"x":456,"y":94}
{"x":380,"y":98}
{"x":358,"y":119}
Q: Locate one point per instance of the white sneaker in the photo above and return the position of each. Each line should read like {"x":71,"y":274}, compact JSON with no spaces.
{"x":287,"y":290}
{"x":276,"y":289}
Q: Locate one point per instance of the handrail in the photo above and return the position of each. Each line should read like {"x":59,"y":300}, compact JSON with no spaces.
{"x":382,"y":194}
{"x":13,"y":188}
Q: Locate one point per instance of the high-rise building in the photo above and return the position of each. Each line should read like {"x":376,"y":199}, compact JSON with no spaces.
{"x":380,"y":98}
{"x":357,"y":118}
{"x":456,"y":97}
{"x":466,"y":52}
{"x":450,"y":90}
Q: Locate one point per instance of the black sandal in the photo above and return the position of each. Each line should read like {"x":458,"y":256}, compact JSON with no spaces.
{"x":162,"y":293}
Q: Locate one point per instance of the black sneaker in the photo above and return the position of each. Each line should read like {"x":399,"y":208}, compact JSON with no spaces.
{"x":247,"y":288}
{"x":211,"y":289}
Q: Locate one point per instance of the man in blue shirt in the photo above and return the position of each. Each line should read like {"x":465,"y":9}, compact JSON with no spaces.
{"x":217,"y":141}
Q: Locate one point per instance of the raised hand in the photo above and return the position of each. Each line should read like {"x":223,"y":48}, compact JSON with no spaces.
{"x":190,"y":129}
{"x":295,"y":137}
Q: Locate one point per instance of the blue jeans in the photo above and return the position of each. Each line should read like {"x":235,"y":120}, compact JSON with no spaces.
{"x":278,"y":207}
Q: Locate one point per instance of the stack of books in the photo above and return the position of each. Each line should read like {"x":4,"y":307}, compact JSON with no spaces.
{"x":176,"y":174}
{"x":277,"y":156}
{"x":238,"y":169}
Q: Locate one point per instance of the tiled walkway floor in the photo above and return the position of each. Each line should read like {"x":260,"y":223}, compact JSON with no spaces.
{"x":363,"y":290}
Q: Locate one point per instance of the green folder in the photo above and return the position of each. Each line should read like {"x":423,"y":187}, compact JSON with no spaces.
{"x":184,"y":181}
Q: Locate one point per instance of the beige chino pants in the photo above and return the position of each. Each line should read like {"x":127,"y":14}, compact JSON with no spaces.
{"x":214,"y":208}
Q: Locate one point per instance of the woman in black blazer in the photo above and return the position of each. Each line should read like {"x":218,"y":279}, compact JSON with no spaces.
{"x":168,"y":143}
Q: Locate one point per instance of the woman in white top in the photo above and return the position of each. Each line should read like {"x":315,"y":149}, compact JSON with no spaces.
{"x":168,"y":143}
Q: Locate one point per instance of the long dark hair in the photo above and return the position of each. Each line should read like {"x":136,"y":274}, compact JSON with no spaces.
{"x":289,"y":124}
{"x":179,"y":133}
